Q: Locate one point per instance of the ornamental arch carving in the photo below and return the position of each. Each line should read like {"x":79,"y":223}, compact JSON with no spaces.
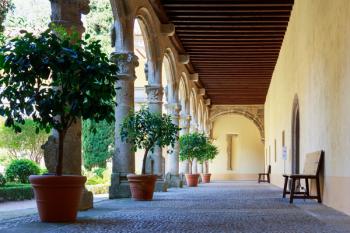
{"x":255,"y":113}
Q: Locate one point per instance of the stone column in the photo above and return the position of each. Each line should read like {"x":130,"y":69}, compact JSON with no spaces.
{"x":172,"y":177}
{"x":185,"y":129}
{"x":194,"y":128}
{"x":124,"y":158}
{"x":67,"y":13}
{"x":154,"y":97}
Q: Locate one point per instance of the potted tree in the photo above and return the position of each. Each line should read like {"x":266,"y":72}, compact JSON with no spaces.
{"x":192,"y":147}
{"x":56,"y":82}
{"x":210,"y":153}
{"x":145,"y":130}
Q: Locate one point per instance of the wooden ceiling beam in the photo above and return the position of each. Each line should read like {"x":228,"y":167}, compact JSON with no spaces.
{"x":233,"y":44}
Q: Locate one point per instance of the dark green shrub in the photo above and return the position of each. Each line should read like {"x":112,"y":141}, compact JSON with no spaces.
{"x":20,"y":170}
{"x":97,"y":146}
{"x":2,"y":180}
{"x":16,"y":192}
{"x":99,"y":172}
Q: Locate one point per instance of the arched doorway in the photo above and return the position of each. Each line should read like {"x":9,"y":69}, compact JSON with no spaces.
{"x":296,"y":137}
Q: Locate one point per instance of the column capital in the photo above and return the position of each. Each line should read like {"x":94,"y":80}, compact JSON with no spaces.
{"x":68,"y":13}
{"x":126,"y":63}
{"x":154,"y":94}
{"x":186,"y":118}
{"x":193,"y":127}
{"x":173,"y":108}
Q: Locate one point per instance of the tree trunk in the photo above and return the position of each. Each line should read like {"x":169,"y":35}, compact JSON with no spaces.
{"x":59,"y":165}
{"x":190,"y":166}
{"x":206,"y":167}
{"x":144,"y":162}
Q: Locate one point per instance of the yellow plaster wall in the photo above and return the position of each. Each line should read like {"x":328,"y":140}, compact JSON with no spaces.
{"x":249,"y":151}
{"x":314,"y":64}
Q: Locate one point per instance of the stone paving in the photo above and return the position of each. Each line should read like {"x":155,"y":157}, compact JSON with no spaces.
{"x":215,"y":207}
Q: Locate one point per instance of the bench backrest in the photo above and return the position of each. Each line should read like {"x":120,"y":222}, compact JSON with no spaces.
{"x":269,"y":169}
{"x":313,"y":162}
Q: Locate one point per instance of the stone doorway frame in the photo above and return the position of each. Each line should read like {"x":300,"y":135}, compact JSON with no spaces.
{"x":295,"y":165}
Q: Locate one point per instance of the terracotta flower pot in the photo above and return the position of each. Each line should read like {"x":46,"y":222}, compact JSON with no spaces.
{"x":142,"y":186}
{"x":192,"y":180}
{"x":205,"y":177}
{"x":58,"y":197}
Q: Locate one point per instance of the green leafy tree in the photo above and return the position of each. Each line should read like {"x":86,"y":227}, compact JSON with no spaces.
{"x":31,"y":15}
{"x":99,"y":21}
{"x":5,"y":7}
{"x":97,"y":147}
{"x":26,"y":142}
{"x":210,"y":152}
{"x":55,"y":82}
{"x":192,"y":146}
{"x":145,"y":130}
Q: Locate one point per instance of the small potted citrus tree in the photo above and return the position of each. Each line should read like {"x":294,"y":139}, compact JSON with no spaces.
{"x":146,"y":130}
{"x":192,"y":146}
{"x":210,"y":153}
{"x":55,"y":82}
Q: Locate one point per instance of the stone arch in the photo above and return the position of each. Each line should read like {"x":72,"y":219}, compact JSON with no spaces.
{"x":240,"y":111}
{"x":295,"y":131}
{"x":183,"y":95}
{"x":206,"y":121}
{"x":123,"y":28}
{"x":150,"y":33}
{"x":200,"y":114}
{"x":169,"y":69}
{"x":193,"y":108}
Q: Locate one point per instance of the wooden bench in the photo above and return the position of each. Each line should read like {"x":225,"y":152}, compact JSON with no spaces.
{"x":312,"y":167}
{"x":265,"y":177}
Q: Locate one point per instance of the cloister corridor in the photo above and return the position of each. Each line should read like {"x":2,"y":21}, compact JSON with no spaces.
{"x":240,"y":206}
{"x":266,"y":82}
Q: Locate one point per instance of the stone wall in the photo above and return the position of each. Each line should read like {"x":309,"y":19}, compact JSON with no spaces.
{"x":314,"y":65}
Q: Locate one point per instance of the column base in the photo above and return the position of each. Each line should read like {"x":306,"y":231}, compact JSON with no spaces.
{"x":119,"y":187}
{"x":161,"y":186}
{"x":183,"y":178}
{"x":200,"y":179}
{"x":87,"y":200}
{"x":174,"y":181}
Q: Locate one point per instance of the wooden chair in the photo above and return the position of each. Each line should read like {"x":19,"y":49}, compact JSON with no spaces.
{"x":312,"y":167}
{"x":265,"y":177}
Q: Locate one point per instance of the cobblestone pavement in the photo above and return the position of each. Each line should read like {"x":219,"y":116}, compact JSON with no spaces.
{"x":216,"y":207}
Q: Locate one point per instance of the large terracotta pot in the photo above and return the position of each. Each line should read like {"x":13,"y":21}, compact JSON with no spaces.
{"x":142,"y":186}
{"x":205,"y":177}
{"x":192,"y":180}
{"x":58,"y":197}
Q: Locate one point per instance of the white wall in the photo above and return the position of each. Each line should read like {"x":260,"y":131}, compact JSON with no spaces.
{"x":314,"y":64}
{"x":249,"y":150}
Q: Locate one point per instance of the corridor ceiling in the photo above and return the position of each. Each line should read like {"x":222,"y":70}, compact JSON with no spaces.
{"x":233,"y":44}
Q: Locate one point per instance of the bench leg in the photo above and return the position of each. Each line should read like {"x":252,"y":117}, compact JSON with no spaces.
{"x":259,"y":178}
{"x":318,"y":190}
{"x":307,"y":187}
{"x":292,"y":191}
{"x":268,"y":178}
{"x":285,"y":186}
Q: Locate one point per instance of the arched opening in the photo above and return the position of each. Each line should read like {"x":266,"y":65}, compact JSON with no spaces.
{"x":193,"y":111}
{"x":241,"y":153}
{"x":183,"y":98}
{"x":296,"y":137}
{"x":167,"y":99}
{"x":140,"y":96}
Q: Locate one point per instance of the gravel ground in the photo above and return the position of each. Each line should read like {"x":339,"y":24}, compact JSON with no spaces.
{"x":216,"y":207}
